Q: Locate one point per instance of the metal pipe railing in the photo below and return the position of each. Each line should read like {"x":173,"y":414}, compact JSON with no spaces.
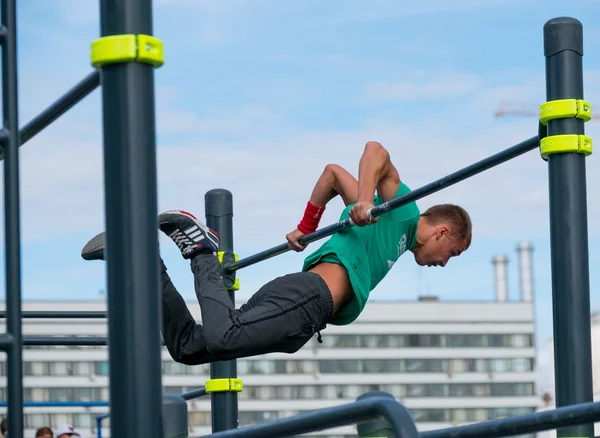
{"x":196,"y":393}
{"x":396,"y":414}
{"x":63,"y":104}
{"x":67,"y":404}
{"x":67,"y":341}
{"x":523,"y":424}
{"x":60,"y":314}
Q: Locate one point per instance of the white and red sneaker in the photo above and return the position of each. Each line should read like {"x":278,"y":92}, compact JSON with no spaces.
{"x":188,"y":233}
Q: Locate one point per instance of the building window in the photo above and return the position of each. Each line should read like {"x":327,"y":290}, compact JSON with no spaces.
{"x":35,"y":368}
{"x":101,"y":368}
{"x":427,"y":341}
{"x":84,"y":421}
{"x":199,"y":419}
{"x":253,"y":417}
{"x":61,"y":394}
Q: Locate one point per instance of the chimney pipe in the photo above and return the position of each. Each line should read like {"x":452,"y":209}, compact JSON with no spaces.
{"x":525,"y":250}
{"x":501,"y":275}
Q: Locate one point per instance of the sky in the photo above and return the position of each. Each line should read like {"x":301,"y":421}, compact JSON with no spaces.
{"x":257,"y":97}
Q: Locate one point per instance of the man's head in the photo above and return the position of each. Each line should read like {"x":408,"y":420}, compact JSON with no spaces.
{"x":44,"y":432}
{"x":444,"y":231}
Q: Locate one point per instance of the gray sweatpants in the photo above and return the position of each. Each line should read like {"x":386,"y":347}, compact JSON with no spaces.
{"x":281,"y":317}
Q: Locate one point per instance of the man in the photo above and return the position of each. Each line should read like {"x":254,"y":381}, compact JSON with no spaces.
{"x":65,"y":431}
{"x":335,"y":281}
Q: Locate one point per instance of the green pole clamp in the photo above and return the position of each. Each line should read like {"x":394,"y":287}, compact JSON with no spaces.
{"x":224,"y":385}
{"x":567,"y":143}
{"x":117,"y":49}
{"x":229,"y":279}
{"x":565,"y":108}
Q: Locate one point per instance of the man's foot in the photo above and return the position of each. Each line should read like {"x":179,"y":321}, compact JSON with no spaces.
{"x":94,"y":249}
{"x":190,"y":235}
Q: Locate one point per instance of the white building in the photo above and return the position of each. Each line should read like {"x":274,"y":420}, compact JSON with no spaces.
{"x":449,"y":363}
{"x":595,"y":338}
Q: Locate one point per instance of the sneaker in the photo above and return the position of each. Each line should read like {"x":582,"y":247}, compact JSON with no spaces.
{"x":94,"y":249}
{"x":188,"y":233}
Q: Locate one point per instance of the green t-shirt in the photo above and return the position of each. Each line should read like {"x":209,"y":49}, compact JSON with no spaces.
{"x":368,"y":253}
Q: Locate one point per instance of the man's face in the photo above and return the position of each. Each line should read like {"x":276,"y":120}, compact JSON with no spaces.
{"x":439,"y":248}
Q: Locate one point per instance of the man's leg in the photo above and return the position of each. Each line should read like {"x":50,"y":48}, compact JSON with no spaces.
{"x":182,"y":335}
{"x":281,"y":317}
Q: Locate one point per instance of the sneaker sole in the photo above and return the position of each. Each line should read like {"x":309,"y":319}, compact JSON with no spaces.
{"x":94,"y":249}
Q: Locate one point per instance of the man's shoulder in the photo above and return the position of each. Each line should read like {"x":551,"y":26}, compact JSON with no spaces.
{"x":408,"y":213}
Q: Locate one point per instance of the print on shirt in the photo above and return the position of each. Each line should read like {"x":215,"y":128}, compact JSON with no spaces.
{"x":401,"y":250}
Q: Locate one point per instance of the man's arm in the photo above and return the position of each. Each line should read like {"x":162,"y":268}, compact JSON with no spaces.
{"x":334,"y":181}
{"x":376,"y":171}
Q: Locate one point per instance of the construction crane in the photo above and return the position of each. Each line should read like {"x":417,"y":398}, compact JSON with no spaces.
{"x":521,"y":109}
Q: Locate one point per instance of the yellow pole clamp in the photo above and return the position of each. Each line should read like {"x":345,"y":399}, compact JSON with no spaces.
{"x":565,"y":108}
{"x":559,"y":144}
{"x":236,"y":282}
{"x":116,"y":49}
{"x":224,"y":385}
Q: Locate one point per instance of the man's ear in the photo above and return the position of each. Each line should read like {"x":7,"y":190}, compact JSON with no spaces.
{"x":442,"y":230}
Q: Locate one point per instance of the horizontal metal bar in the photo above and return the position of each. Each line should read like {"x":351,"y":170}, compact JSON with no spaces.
{"x":56,"y":109}
{"x":57,"y":341}
{"x":523,"y":424}
{"x":6,"y":341}
{"x":47,"y":314}
{"x":419,"y":193}
{"x":60,"y":404}
{"x":60,"y":106}
{"x":196,"y":393}
{"x":352,"y":413}
{"x":64,"y":340}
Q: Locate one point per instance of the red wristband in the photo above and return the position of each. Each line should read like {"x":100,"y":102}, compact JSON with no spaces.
{"x":312,"y":216}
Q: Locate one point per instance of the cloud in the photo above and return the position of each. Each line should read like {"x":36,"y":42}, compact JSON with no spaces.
{"x":271,"y":176}
{"x":420,"y":85}
{"x":172,"y":119}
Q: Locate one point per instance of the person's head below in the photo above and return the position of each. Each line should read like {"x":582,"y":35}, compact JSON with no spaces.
{"x":444,"y":231}
{"x":65,"y":431}
{"x":3,"y":426}
{"x":44,"y":432}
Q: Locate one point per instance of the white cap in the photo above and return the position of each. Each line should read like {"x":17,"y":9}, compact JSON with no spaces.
{"x":65,"y":429}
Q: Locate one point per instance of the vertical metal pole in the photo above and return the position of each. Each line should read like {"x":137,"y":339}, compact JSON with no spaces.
{"x":563,"y":49}
{"x":12,"y":227}
{"x":131,"y":230}
{"x":219,"y":216}
{"x":175,"y":416}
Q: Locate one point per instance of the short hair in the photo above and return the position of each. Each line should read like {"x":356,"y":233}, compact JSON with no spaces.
{"x":3,"y":426}
{"x":455,"y":216}
{"x":42,"y":431}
